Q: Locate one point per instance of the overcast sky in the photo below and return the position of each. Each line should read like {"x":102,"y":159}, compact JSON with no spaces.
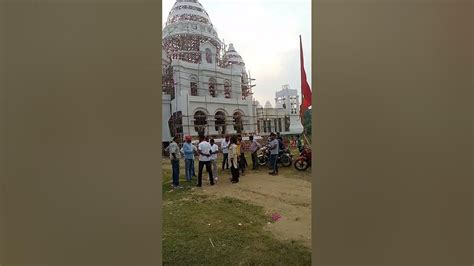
{"x":266,"y":34}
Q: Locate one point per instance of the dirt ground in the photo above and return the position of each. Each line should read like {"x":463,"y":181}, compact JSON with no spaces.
{"x":288,"y":196}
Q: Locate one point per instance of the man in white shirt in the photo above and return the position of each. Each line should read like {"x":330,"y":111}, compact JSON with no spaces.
{"x":214,"y":150}
{"x":225,"y":151}
{"x":204,"y":150}
{"x":254,"y":146}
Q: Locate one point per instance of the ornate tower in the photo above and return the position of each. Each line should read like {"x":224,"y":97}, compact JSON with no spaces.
{"x":188,"y":27}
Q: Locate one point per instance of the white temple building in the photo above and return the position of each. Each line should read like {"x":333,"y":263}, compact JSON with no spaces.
{"x":206,"y":87}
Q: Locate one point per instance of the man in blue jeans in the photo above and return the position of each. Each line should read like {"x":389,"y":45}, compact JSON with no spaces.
{"x":204,"y":150}
{"x":188,"y":150}
{"x":274,"y":149}
{"x":225,"y":152}
{"x":173,"y":151}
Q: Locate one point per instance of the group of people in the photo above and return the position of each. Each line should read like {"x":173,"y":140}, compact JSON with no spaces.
{"x":233,"y":157}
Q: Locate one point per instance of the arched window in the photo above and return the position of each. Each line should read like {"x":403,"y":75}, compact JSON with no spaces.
{"x":212,"y":88}
{"x":194,"y":86}
{"x":209,"y":56}
{"x":227,"y":89}
{"x":238,"y":123}
{"x":200,"y":122}
{"x":220,"y":122}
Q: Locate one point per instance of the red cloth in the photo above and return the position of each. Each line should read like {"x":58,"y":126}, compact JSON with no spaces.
{"x":306,"y":95}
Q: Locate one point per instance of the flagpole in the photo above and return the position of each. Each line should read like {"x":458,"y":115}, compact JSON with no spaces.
{"x":305,"y":89}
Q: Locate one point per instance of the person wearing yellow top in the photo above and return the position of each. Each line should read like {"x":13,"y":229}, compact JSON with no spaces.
{"x":238,"y":146}
{"x":242,"y":160}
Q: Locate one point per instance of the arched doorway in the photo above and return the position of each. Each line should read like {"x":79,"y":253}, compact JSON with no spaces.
{"x":238,"y":123}
{"x":200,"y":122}
{"x":220,"y":122}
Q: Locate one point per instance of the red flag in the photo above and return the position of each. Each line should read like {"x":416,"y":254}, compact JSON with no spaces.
{"x":306,"y":95}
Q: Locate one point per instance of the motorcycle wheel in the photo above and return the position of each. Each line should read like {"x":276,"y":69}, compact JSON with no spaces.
{"x":285,"y":160}
{"x":301,"y":164}
{"x":262,"y":161}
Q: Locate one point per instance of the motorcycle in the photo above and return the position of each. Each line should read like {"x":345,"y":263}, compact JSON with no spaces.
{"x":303,"y":161}
{"x":285,"y":158}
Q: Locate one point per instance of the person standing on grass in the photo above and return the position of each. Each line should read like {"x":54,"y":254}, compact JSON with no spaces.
{"x":188,"y":150}
{"x":173,"y":150}
{"x":214,"y":150}
{"x":233,"y":160}
{"x":193,"y":172}
{"x":274,"y":149}
{"x":204,"y":150}
{"x":243,"y":149}
{"x":241,"y":155}
{"x":254,"y":146}
{"x":225,"y":152}
{"x":237,"y":144}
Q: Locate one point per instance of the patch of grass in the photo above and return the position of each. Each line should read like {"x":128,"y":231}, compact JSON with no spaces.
{"x":191,"y":222}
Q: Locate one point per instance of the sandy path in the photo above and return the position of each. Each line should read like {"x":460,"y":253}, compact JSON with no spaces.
{"x":289,"y":197}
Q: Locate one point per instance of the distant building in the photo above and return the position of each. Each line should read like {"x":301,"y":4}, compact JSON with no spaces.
{"x":206,"y":87}
{"x":284,"y":117}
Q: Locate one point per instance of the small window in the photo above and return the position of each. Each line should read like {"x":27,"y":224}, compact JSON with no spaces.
{"x":227,"y":90}
{"x":194,"y":88}
{"x":208,"y":56}
{"x":212,"y":88}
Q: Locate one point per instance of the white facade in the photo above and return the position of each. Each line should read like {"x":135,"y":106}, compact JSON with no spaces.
{"x":288,"y":99}
{"x":166,"y":109}
{"x":206,"y":87}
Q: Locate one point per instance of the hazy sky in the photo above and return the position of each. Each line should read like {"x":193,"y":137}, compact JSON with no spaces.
{"x":266,"y":35}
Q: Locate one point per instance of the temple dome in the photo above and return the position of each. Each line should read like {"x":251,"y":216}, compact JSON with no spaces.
{"x":187,"y":27}
{"x":232,"y":56}
{"x":268,"y":104}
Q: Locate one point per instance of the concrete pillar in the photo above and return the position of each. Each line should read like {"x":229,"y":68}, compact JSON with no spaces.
{"x":212,"y":127}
